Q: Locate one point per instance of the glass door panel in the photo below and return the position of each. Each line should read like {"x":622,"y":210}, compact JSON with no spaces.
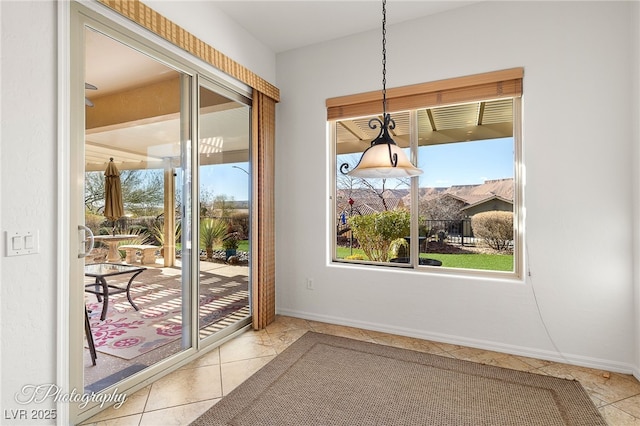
{"x":137,"y":127}
{"x":224,"y":199}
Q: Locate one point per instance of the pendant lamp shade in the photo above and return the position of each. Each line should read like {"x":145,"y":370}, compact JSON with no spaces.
{"x":375,"y":163}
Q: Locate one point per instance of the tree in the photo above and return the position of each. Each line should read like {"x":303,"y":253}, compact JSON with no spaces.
{"x":224,"y":204}
{"x":206,"y":202}
{"x":376,"y":187}
{"x":442,"y":207}
{"x":142,"y":190}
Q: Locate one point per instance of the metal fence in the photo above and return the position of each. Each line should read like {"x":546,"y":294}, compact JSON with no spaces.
{"x":449,"y":231}
{"x":457,"y":232}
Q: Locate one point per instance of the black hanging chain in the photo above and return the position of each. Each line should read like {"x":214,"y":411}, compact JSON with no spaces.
{"x":384,"y":57}
{"x":387,"y":122}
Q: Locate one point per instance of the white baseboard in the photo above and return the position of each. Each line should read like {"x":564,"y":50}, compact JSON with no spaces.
{"x":579,"y":360}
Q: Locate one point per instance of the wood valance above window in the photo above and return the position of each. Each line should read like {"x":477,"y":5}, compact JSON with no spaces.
{"x":486,"y":86}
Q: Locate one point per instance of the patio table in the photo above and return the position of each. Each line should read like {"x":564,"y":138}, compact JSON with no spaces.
{"x":100,"y":271}
{"x":89,"y":335}
{"x":112,"y":242}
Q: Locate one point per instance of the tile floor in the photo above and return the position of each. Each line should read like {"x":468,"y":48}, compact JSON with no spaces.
{"x":108,"y":365}
{"x":185,"y":394}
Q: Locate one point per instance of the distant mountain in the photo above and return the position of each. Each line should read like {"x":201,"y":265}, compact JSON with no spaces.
{"x":472,"y":194}
{"x":366,"y":201}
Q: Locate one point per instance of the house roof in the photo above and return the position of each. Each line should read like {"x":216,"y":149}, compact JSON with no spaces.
{"x":475,"y":193}
{"x":366,"y":202}
{"x":485,"y":200}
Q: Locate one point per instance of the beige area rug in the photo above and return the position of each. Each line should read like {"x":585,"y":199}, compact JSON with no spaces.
{"x":328,"y":380}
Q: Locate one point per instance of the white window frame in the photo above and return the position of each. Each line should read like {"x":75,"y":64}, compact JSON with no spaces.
{"x":518,"y":204}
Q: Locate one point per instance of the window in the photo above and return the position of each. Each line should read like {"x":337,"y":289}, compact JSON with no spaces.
{"x":463,"y":212}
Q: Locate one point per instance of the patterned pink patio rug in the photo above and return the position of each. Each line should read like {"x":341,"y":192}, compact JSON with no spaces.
{"x":127,"y":333}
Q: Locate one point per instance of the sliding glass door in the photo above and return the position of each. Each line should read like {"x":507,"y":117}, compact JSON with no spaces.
{"x":137,"y":133}
{"x":224,"y":215}
{"x":160,"y":214}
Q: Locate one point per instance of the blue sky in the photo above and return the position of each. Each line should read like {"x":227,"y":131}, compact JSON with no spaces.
{"x":226,"y":179}
{"x":465,"y":163}
{"x":445,"y":165}
{"x":460,"y":163}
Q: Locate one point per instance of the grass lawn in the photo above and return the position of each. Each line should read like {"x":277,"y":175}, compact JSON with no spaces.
{"x":492,"y":262}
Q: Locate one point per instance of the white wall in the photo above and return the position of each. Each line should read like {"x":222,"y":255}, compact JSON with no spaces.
{"x":208,"y":23}
{"x":635,"y":113}
{"x":28,"y":195}
{"x":579,"y":193}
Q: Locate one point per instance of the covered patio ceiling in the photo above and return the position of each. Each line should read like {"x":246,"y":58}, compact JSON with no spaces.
{"x":154,"y":143}
{"x":135,"y":117}
{"x":454,"y":123}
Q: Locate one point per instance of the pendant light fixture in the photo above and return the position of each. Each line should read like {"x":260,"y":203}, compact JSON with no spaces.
{"x":384,"y":158}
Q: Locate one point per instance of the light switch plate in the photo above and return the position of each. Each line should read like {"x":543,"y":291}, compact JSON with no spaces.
{"x":21,"y":242}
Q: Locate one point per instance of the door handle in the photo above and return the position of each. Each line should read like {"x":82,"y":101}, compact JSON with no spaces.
{"x":84,"y":242}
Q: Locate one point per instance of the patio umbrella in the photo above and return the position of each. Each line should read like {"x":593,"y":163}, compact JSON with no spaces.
{"x":113,"y":205}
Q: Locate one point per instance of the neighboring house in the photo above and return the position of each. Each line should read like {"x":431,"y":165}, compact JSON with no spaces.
{"x":494,"y":194}
{"x":494,"y":202}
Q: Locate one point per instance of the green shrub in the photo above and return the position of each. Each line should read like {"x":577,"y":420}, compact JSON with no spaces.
{"x":241,"y":221}
{"x":157,"y":232}
{"x":230,"y":241}
{"x":375,"y":232}
{"x":495,"y":228}
{"x":212,"y":231}
{"x":93,"y":222}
